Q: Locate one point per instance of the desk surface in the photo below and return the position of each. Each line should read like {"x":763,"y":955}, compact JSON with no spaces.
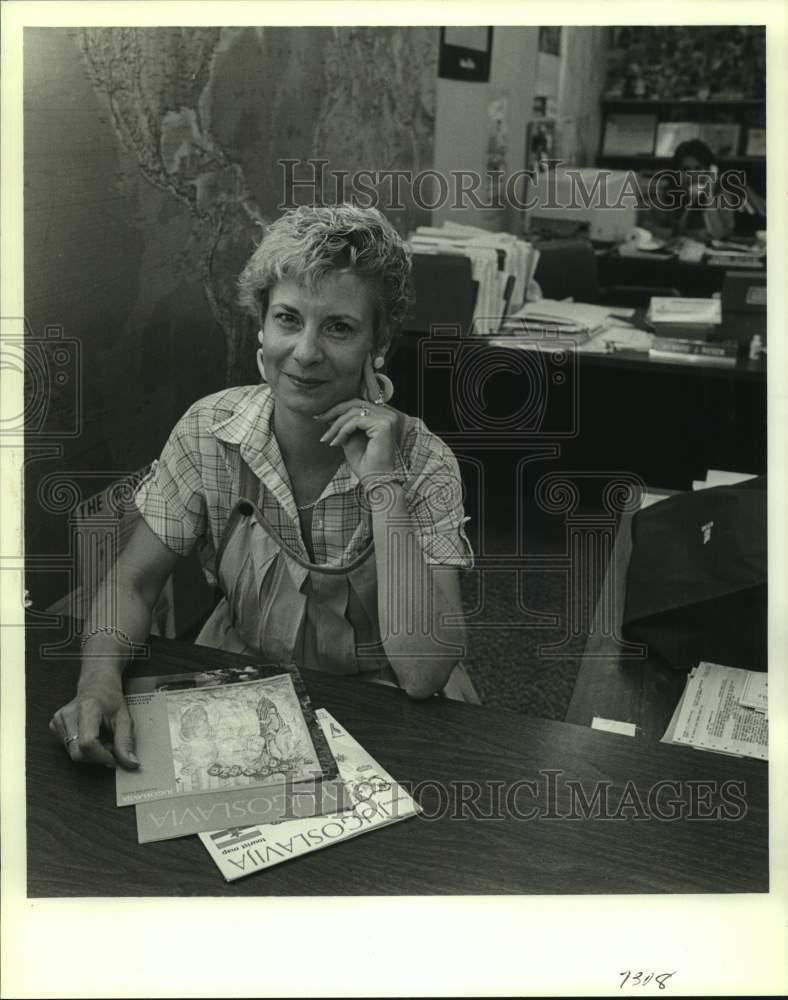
{"x":745,"y":368}
{"x":81,"y":844}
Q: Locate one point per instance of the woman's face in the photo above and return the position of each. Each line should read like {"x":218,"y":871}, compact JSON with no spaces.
{"x":695,"y":177}
{"x":315,"y":341}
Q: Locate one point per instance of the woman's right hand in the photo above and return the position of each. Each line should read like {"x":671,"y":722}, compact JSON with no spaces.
{"x":98,"y":706}
{"x":95,"y":726}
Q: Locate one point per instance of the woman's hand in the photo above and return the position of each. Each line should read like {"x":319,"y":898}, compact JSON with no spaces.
{"x":98,"y":705}
{"x":367,"y":433}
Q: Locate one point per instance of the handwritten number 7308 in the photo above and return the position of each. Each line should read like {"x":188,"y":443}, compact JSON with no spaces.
{"x":644,"y":978}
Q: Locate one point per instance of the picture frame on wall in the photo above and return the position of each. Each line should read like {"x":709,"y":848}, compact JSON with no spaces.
{"x":465,"y":53}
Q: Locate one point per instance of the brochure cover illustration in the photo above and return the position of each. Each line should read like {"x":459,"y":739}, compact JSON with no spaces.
{"x":220,"y":732}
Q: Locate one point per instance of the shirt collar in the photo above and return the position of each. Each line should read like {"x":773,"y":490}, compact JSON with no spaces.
{"x":250,"y":427}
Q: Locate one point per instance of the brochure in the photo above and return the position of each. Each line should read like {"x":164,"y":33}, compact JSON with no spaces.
{"x":212,"y":732}
{"x":377,"y":801}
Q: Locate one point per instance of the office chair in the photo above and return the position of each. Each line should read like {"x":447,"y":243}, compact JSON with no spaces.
{"x":567,"y":268}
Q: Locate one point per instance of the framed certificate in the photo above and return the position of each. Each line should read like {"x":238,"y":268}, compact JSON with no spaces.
{"x":722,"y":139}
{"x":629,"y":135}
{"x":756,"y":142}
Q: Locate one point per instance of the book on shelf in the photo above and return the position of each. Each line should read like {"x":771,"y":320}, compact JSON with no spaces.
{"x":375,"y":801}
{"x":216,"y":740}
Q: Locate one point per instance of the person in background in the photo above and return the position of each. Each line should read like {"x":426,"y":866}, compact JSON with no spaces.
{"x":331,"y":522}
{"x":688,"y":202}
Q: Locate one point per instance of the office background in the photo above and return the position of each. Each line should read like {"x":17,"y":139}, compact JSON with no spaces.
{"x":152,"y":158}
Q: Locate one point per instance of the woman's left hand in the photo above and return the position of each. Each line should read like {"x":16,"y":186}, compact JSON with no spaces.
{"x":366,"y":432}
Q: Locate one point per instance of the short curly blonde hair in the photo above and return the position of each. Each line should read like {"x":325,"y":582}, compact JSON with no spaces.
{"x":309,"y":242}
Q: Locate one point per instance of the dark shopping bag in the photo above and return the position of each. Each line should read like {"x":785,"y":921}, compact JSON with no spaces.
{"x":696,"y":586}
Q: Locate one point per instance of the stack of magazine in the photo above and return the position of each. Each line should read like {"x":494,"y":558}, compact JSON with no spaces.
{"x":239,"y":755}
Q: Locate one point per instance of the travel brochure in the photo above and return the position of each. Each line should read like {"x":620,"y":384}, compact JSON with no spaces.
{"x":377,"y":801}
{"x":228,"y":745}
{"x":210,"y":739}
{"x":241,"y":751}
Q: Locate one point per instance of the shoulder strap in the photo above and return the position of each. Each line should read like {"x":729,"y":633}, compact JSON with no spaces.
{"x":249,"y":490}
{"x":249,"y":486}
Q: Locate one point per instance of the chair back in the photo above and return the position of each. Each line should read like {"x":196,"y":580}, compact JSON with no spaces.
{"x":567,"y":268}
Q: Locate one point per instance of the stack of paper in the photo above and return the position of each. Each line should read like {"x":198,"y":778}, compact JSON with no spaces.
{"x":682,"y":329}
{"x":616,"y":336}
{"x":684,"y":311}
{"x":559,"y":323}
{"x":501,"y":264}
{"x":748,"y":257}
{"x":723,"y":709}
{"x":222,"y":746}
{"x":377,"y":800}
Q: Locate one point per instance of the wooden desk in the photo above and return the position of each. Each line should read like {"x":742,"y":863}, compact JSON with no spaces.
{"x":80,"y":844}
{"x":668,"y":422}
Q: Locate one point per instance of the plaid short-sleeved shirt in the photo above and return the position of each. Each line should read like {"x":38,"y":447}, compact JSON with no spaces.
{"x":188,"y":496}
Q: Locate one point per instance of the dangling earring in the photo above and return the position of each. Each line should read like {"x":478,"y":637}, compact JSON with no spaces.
{"x":385,"y":385}
{"x":260,"y":365}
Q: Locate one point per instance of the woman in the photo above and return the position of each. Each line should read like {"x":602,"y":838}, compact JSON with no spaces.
{"x":689,"y":202}
{"x":332,"y":523}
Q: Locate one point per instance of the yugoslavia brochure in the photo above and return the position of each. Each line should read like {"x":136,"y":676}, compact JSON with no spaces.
{"x":377,"y":801}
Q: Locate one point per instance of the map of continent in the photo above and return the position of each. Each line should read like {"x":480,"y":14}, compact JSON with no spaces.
{"x":234,"y":736}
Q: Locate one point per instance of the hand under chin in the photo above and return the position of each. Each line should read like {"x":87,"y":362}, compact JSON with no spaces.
{"x":366,"y":457}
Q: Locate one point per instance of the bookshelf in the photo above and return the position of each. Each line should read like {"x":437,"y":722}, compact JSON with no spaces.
{"x":743,"y":119}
